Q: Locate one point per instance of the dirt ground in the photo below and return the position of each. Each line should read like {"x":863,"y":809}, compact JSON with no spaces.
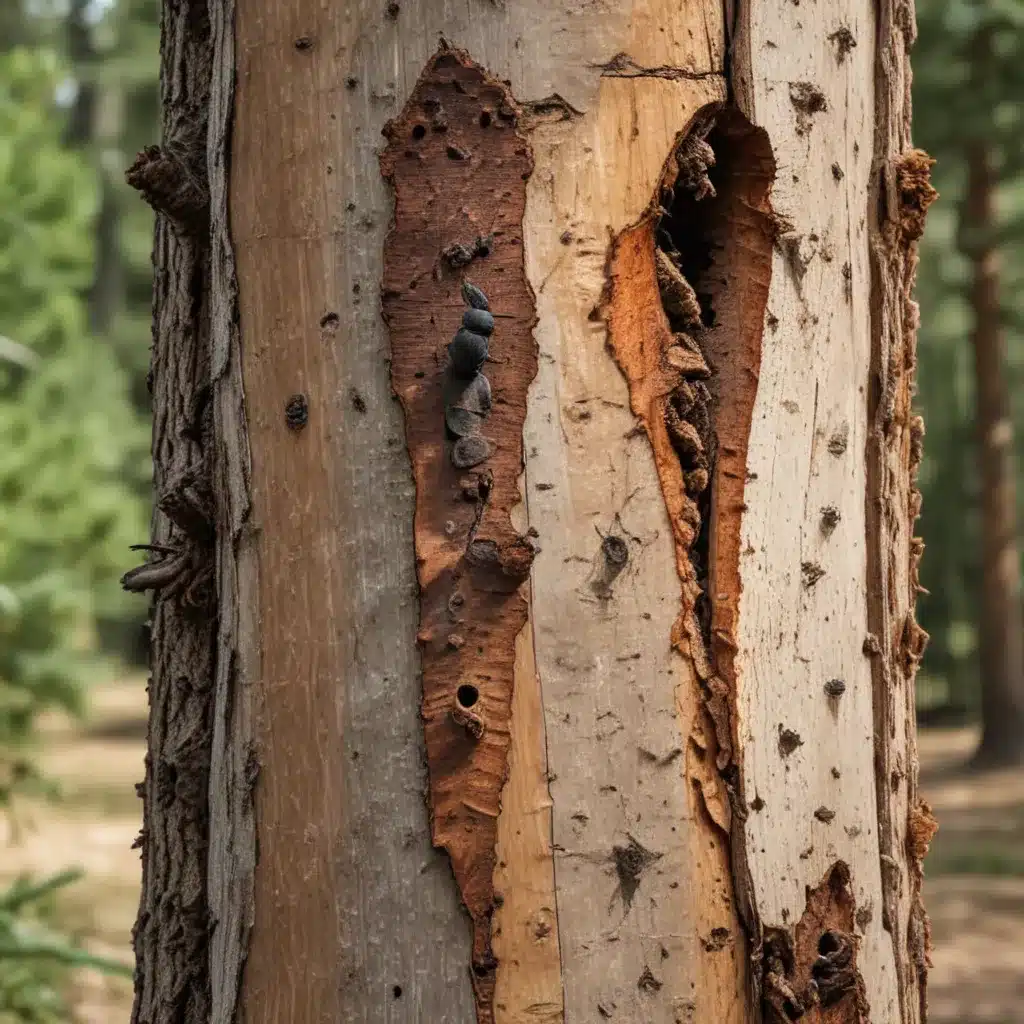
{"x":974,"y":888}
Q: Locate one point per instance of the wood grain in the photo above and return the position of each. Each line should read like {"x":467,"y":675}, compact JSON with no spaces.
{"x":813,"y":547}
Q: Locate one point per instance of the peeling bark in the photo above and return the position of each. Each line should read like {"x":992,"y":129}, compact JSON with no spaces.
{"x":688,"y":287}
{"x":459,"y":167}
{"x":600,"y":537}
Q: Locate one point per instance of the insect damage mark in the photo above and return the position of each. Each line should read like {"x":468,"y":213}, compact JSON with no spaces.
{"x":900,"y":199}
{"x":811,"y":972}
{"x":686,"y":304}
{"x":631,"y":861}
{"x":471,"y":562}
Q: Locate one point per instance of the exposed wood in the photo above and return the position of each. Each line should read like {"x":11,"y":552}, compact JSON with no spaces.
{"x":529,"y":989}
{"x":835,"y":383}
{"x":647,"y":928}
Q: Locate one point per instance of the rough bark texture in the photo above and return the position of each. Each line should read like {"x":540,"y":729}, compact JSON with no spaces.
{"x":1001,"y":637}
{"x":649,"y":650}
{"x":459,"y":168}
{"x":198,"y":840}
{"x":172,"y":931}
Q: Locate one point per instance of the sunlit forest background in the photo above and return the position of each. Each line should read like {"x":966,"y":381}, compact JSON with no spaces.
{"x":79,"y":96}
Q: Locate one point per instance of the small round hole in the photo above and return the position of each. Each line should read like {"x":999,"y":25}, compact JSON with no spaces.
{"x":467,"y":695}
{"x":829,"y":943}
{"x":418,"y":131}
{"x":397,"y":992}
{"x":485,"y":119}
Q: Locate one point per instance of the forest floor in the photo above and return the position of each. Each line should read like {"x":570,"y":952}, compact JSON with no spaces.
{"x":974,"y":889}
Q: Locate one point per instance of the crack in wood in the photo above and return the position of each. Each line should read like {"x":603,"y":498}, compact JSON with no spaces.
{"x":686,"y":308}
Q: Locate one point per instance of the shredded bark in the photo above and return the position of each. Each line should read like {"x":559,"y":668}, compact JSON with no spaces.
{"x":899,"y":199}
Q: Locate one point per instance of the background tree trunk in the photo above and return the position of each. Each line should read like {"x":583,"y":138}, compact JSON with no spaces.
{"x":649,"y":648}
{"x":1002,"y":636}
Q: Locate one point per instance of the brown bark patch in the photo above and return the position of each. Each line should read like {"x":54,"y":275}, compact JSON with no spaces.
{"x":811,"y":973}
{"x":460,"y":194}
{"x":916,"y":194}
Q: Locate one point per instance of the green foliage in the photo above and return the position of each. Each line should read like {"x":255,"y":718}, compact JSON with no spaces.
{"x":968,"y":88}
{"x":47,"y":202}
{"x":72,"y":462}
{"x":33,"y":958}
{"x":72,"y":443}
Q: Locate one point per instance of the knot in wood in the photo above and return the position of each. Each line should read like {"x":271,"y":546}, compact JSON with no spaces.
{"x":296,"y":412}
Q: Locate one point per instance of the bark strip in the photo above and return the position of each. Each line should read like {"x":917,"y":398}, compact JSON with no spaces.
{"x":895,"y":644}
{"x":459,"y":168}
{"x":234,"y":766}
{"x":171,"y":933}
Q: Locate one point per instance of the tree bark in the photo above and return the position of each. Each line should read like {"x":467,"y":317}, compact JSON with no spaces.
{"x":1001,"y":634}
{"x":621,"y":580}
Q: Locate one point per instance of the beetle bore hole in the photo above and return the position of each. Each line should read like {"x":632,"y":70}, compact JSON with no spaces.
{"x":485,"y":119}
{"x":467,"y":695}
{"x":829,"y":943}
{"x":418,"y":131}
{"x":397,"y":992}
{"x":615,"y":550}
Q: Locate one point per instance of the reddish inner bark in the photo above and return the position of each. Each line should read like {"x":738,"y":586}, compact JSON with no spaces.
{"x":459,"y":169}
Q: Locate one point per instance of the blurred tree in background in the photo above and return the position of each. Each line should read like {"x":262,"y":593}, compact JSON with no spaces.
{"x":74,"y":465}
{"x":72,"y":439}
{"x":968,"y":105}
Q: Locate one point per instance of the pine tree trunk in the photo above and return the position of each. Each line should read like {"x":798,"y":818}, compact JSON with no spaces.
{"x":564,"y":673}
{"x":1001,"y":629}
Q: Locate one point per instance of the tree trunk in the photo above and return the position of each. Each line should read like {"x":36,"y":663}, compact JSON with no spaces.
{"x":621,"y":580}
{"x":94,"y":124}
{"x":1001,"y":633}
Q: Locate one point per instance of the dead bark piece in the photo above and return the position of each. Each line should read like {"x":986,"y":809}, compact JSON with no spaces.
{"x":812,"y":973}
{"x":916,"y":193}
{"x":677,"y":293}
{"x":444,"y":186}
{"x":172,"y":179}
{"x":702,"y":427}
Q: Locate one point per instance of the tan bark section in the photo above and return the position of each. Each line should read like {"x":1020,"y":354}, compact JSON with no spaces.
{"x":640,"y":890}
{"x":825,"y":677}
{"x":525,"y":930}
